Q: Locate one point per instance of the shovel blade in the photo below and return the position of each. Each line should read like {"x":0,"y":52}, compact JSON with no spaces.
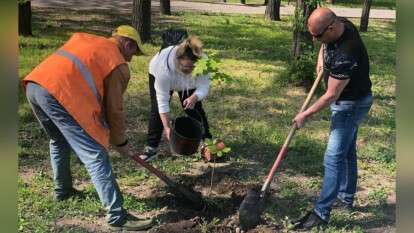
{"x":251,"y":209}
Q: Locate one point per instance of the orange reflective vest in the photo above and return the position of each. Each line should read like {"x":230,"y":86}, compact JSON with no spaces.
{"x":74,"y":76}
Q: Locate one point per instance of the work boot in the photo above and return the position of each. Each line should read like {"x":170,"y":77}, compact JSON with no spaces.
{"x":133,"y":223}
{"x":150,"y":153}
{"x":309,"y":221}
{"x":72,"y":193}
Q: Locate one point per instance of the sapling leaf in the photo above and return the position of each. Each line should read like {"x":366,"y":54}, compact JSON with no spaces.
{"x":213,"y":149}
{"x":226,"y":150}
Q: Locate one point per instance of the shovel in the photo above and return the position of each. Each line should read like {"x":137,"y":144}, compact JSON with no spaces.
{"x":177,"y":189}
{"x":252,"y":206}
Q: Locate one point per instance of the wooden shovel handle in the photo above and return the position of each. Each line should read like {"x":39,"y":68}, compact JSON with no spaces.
{"x":292,"y":131}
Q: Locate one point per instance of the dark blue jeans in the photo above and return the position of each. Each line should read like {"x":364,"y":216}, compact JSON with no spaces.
{"x":66,"y":135}
{"x":340,"y":162}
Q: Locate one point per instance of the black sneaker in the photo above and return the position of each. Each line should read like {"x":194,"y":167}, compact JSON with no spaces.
{"x":341,"y":205}
{"x":72,"y":193}
{"x":309,"y":221}
{"x":150,"y":153}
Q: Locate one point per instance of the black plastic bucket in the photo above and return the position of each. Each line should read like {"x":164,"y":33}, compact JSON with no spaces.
{"x":186,"y":135}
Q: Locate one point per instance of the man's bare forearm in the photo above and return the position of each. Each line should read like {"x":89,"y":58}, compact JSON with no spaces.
{"x":323,"y":102}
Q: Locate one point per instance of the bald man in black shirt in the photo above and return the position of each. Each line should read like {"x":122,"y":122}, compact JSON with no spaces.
{"x":344,"y":58}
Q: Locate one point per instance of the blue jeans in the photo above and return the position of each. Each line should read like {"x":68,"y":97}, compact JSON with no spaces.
{"x":66,"y":135}
{"x":340,"y":162}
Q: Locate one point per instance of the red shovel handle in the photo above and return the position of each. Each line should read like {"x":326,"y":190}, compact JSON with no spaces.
{"x":154,"y":171}
{"x":292,"y":131}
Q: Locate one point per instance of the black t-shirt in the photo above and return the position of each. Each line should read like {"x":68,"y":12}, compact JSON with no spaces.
{"x":347,"y":58}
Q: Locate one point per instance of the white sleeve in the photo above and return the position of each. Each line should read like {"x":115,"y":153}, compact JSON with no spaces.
{"x":162,"y":89}
{"x":202,"y":86}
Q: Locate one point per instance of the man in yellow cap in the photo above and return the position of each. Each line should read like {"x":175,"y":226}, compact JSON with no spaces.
{"x":77,"y":96}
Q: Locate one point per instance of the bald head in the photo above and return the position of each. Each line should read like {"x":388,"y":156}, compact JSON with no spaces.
{"x":324,"y":26}
{"x":321,"y":18}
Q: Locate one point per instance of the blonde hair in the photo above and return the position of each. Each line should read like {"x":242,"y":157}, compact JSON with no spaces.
{"x":191,"y":47}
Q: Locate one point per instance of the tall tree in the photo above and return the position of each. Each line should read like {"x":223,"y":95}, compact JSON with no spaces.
{"x":25,"y":17}
{"x":301,"y":35}
{"x":165,"y":7}
{"x":301,"y":68}
{"x":141,"y":18}
{"x":243,"y":1}
{"x":273,"y":10}
{"x":363,"y":27}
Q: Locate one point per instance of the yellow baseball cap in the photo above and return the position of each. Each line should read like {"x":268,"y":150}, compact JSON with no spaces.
{"x":129,"y":32}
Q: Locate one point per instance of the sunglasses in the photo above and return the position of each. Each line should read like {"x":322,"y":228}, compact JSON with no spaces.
{"x":323,"y":31}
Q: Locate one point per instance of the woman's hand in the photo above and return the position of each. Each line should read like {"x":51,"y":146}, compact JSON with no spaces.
{"x":190,"y":102}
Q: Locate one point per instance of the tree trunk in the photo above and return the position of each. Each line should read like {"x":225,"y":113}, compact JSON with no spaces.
{"x":165,"y":7}
{"x":301,"y":36}
{"x":273,"y":10}
{"x":141,"y":18}
{"x":365,"y":16}
{"x":243,"y":1}
{"x":25,"y":18}
{"x":330,"y":1}
{"x":266,"y":2}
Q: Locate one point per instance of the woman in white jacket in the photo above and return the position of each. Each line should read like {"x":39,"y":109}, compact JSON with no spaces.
{"x":169,"y":71}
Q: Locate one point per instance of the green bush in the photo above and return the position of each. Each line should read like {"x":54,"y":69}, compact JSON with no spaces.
{"x":301,"y":71}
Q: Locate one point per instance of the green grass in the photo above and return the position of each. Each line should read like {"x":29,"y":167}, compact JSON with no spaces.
{"x":377,"y":4}
{"x":252,"y":115}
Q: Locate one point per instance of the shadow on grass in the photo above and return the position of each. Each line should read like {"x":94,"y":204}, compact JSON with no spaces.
{"x":50,"y":22}
{"x":377,"y":216}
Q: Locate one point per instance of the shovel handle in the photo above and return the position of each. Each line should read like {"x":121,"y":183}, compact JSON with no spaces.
{"x":154,"y":171}
{"x":292,"y":131}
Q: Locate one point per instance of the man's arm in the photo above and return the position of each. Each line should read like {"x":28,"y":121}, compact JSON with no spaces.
{"x":319,"y":64}
{"x":335,"y":88}
{"x":114,"y":87}
{"x":341,"y":69}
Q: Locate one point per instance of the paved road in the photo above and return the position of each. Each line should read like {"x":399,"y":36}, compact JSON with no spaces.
{"x":126,"y":5}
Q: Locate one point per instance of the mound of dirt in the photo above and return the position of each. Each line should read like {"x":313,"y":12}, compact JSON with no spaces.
{"x":184,"y":226}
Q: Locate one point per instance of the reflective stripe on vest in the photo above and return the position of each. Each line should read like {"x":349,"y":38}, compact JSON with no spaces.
{"x":83,"y":70}
{"x":87,"y":76}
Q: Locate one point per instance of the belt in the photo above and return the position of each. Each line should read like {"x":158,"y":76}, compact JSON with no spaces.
{"x":345,"y":102}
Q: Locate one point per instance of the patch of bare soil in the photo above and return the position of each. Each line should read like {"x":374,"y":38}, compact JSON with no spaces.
{"x":64,"y":224}
{"x":27,"y":174}
{"x":222,"y":203}
{"x":263,"y":229}
{"x":388,"y":229}
{"x":184,"y":226}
